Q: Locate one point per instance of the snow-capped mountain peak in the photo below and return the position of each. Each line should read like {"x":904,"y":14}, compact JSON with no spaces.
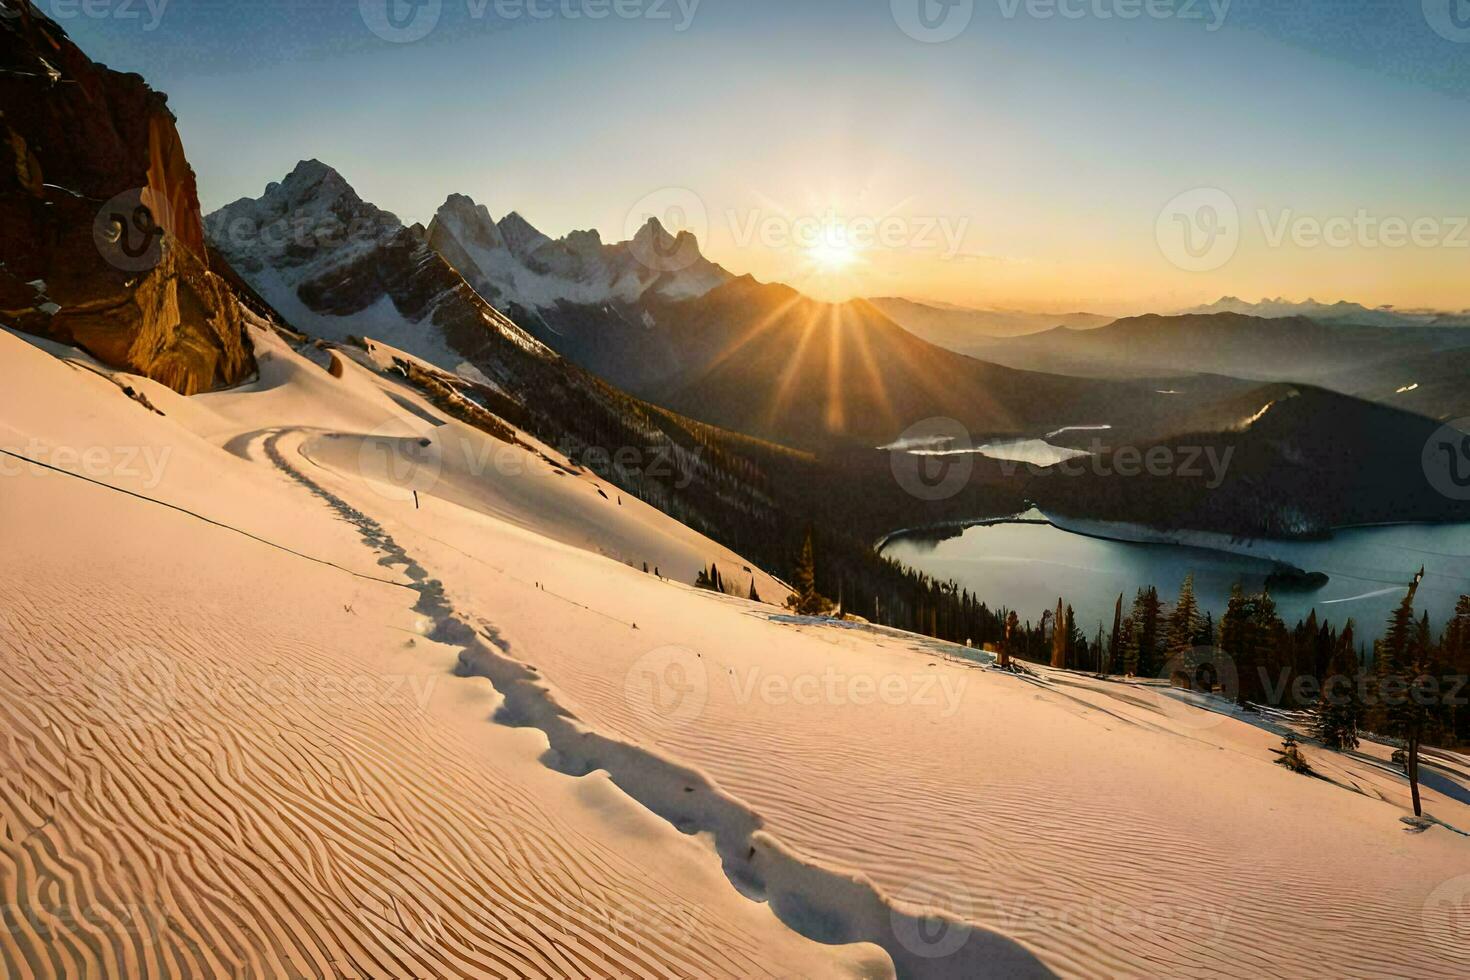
{"x":473,"y":220}
{"x":311,"y":217}
{"x":585,"y":243}
{"x":521,"y":237}
{"x":515,"y":265}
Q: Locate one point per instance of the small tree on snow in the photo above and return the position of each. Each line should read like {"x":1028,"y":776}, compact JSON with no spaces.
{"x":807,"y":601}
{"x":1291,"y":755}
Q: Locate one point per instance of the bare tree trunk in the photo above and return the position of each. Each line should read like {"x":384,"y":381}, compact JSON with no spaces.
{"x":1414,"y":772}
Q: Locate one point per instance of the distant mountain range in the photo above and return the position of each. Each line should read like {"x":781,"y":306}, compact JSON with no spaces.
{"x":1342,"y":312}
{"x":960,"y":328}
{"x":1371,"y":361}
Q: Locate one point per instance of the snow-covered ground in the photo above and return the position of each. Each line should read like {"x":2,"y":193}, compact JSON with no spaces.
{"x":289,"y":691}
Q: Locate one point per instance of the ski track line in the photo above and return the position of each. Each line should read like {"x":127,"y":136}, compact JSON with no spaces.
{"x":825,"y":904}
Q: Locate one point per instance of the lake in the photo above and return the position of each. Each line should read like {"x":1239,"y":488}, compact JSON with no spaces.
{"x":1026,"y":566}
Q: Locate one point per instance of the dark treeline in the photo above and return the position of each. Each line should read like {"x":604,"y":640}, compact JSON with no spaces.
{"x":1413,"y":682}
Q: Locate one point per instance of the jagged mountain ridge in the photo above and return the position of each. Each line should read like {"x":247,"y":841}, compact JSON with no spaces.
{"x":590,"y":300}
{"x":512,"y":262}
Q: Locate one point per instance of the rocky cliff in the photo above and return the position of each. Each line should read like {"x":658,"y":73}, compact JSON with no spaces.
{"x":101,"y":239}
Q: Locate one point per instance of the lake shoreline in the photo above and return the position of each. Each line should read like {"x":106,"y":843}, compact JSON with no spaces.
{"x":1145,"y":533}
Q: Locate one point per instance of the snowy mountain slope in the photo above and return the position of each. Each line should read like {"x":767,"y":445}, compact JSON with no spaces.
{"x":233,"y":738}
{"x":849,"y":776}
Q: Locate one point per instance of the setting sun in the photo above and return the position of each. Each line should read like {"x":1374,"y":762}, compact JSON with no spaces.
{"x":833,"y":249}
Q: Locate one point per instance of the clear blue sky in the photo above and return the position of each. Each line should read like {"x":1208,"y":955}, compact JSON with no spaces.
{"x":1053,"y":140}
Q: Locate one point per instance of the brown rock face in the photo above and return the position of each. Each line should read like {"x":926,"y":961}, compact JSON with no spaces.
{"x":101,"y":239}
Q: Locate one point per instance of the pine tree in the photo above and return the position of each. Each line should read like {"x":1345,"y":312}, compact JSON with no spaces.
{"x":1075,"y":642}
{"x":1457,"y":634}
{"x":1254,"y":637}
{"x":1146,"y":640}
{"x":1455,"y":653}
{"x":1115,"y":643}
{"x":1013,"y":632}
{"x":1405,"y":661}
{"x":1235,"y":627}
{"x":1206,"y":635}
{"x":1059,"y":638}
{"x":1184,"y":622}
{"x":1340,"y":708}
{"x":808,"y":601}
{"x":1267,"y":639}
